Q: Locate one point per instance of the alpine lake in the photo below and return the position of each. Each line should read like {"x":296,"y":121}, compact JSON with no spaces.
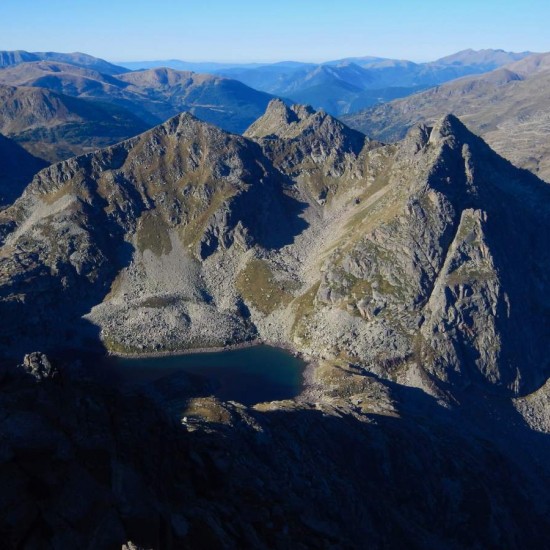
{"x":247,"y":375}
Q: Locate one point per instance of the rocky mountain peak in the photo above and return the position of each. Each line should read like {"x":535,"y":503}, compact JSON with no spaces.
{"x":448,"y":126}
{"x":276,"y":119}
{"x":447,"y":131}
{"x":302,"y":111}
{"x":286,"y":122}
{"x":416,"y":139}
{"x":299,"y":139}
{"x":184,"y":122}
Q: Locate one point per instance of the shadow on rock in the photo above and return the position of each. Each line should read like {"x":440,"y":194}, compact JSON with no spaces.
{"x":280,"y":476}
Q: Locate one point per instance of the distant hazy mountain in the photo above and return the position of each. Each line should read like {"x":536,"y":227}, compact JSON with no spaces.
{"x":486,"y":60}
{"x":509,"y":107}
{"x":337,"y":89}
{"x":78,"y":59}
{"x":152,"y":95}
{"x":346,"y":85}
{"x":180,"y":65}
{"x":8,"y":58}
{"x":483,"y":60}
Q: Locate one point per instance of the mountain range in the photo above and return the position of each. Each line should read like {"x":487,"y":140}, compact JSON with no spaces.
{"x":61,"y":105}
{"x":152,"y":95}
{"x":317,"y":232}
{"x":508,"y":107}
{"x":348,"y":85}
{"x":86,"y":103}
{"x":412,"y":276}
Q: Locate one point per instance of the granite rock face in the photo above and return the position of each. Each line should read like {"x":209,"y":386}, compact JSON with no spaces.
{"x":428,"y":255}
{"x":435,"y":272}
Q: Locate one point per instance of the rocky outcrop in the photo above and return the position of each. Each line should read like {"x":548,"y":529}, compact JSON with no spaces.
{"x":303,"y":142}
{"x":39,"y":367}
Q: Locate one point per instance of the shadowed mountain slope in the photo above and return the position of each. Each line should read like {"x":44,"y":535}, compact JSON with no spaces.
{"x":320,"y":473}
{"x":54,"y":126}
{"x":17,"y":168}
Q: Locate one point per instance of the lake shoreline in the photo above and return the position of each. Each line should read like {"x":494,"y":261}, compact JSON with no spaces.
{"x":217,"y":349}
{"x":188,"y":351}
{"x":310,"y":363}
{"x":253,"y":373}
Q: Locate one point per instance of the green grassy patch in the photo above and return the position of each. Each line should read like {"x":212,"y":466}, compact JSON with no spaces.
{"x":467,"y":274}
{"x":158,"y":302}
{"x":152,"y":234}
{"x":259,"y":288}
{"x":304,"y":307}
{"x":114,"y":346}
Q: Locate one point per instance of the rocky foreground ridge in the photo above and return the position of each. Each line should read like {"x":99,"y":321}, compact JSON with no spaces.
{"x":369,"y":464}
{"x":414,"y":276}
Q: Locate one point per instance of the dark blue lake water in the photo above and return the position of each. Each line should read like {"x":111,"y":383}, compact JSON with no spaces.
{"x":249,"y":375}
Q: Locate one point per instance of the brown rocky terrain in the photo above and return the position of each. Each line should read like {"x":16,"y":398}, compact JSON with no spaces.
{"x":152,"y":95}
{"x":54,"y":127}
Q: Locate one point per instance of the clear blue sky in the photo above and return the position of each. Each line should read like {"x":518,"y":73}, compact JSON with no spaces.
{"x":247,"y":30}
